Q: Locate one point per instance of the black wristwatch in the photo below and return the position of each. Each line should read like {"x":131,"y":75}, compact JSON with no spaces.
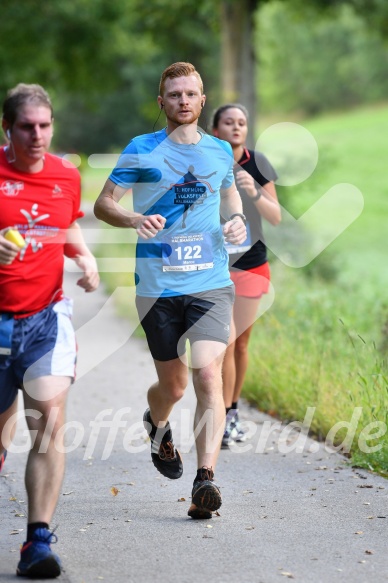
{"x":257,"y":196}
{"x":243,"y":217}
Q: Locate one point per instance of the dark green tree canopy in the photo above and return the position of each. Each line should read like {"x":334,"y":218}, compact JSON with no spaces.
{"x":101,"y":60}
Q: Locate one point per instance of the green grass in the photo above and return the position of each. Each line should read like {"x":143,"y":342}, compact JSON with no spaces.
{"x":307,"y":351}
{"x":324,"y":341}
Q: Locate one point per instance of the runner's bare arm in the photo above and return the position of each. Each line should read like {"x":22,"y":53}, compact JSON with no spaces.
{"x":108,"y":209}
{"x":264,"y":197}
{"x":76,"y":249}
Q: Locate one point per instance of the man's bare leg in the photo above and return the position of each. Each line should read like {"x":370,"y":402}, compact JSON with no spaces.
{"x":168,"y":389}
{"x":208,"y":425}
{"x":162,"y":396}
{"x":210,"y":402}
{"x":46,"y":460}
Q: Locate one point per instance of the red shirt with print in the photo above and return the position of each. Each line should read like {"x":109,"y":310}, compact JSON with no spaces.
{"x":41,"y":206}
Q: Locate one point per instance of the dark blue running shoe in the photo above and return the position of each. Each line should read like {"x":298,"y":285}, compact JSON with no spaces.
{"x":37,"y":560}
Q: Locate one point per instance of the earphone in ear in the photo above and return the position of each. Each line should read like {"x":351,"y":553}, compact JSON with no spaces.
{"x":161,"y":105}
{"x":8,"y":134}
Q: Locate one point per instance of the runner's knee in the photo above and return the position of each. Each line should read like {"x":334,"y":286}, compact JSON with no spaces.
{"x":207,"y":378}
{"x":175,"y":392}
{"x":241,"y":347}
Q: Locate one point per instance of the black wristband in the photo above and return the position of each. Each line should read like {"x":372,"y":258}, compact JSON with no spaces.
{"x":242,"y":217}
{"x":258,"y":195}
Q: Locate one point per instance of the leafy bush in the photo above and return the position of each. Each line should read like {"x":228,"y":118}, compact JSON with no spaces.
{"x":312,"y":63}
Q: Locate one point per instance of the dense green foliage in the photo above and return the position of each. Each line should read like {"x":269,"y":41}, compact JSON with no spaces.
{"x":151,"y":39}
{"x":311,"y":64}
{"x":101,"y":60}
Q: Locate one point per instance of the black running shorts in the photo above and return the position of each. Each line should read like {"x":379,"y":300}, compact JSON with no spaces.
{"x":169,"y":322}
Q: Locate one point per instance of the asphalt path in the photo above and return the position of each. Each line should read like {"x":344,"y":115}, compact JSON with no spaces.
{"x":292,"y":507}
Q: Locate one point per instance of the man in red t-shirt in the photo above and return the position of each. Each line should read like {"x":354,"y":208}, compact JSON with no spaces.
{"x":39,"y":198}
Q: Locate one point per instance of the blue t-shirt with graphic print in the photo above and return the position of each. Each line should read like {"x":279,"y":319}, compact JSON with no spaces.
{"x":182,"y":183}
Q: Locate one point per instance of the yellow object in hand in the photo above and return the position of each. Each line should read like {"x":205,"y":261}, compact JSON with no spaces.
{"x":15,"y":237}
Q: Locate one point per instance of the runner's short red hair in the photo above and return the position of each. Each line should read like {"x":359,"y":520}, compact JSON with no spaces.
{"x":179,"y":69}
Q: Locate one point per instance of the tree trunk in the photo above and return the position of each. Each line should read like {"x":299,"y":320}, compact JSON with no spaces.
{"x":238,"y":55}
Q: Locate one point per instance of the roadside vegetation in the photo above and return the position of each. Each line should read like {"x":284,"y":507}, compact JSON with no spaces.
{"x":324,"y":341}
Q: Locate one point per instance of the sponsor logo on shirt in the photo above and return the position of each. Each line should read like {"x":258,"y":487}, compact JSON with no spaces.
{"x":12,"y":188}
{"x":57,"y":192}
{"x":35,"y":234}
{"x":191,"y":190}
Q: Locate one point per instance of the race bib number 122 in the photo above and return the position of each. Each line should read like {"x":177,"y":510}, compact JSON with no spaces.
{"x":188,"y":252}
